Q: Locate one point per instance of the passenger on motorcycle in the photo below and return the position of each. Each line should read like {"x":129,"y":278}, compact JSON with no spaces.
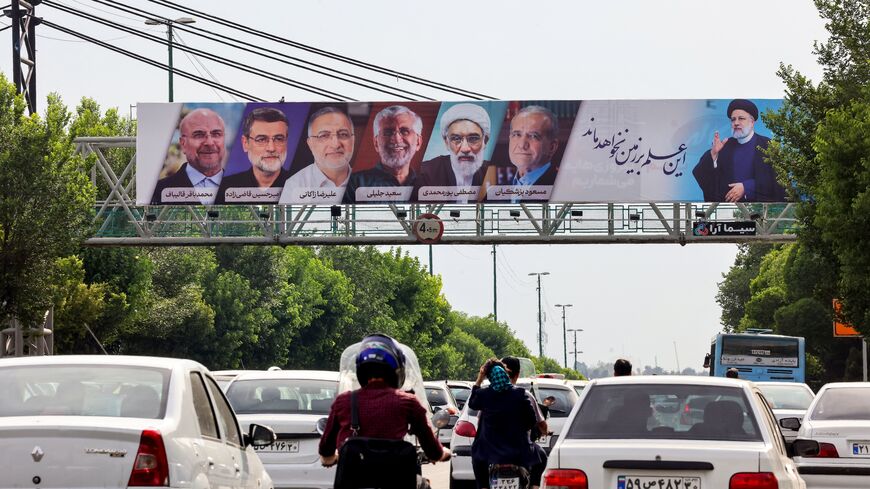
{"x":384,"y":410}
{"x":536,"y":471}
{"x":506,"y":417}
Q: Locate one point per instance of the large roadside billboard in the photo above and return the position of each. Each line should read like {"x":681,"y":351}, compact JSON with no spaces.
{"x":455,"y":152}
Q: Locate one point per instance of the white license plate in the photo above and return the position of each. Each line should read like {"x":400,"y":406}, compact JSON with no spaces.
{"x":509,"y":483}
{"x":861,"y":448}
{"x":657,"y":482}
{"x":544,"y":441}
{"x":282,"y":446}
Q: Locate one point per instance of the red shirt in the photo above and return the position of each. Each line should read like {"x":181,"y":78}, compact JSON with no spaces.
{"x":384,"y":412}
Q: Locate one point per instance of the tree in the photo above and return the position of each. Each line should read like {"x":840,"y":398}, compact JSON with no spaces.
{"x":820,"y":150}
{"x":46,"y":202}
{"x":734,"y":290}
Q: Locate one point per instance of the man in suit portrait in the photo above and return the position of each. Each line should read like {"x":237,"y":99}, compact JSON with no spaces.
{"x":397,"y":136}
{"x":203,"y":145}
{"x":264,"y":141}
{"x":733,"y":170}
{"x":330,"y":139}
{"x":465,"y":129}
{"x":532,"y":142}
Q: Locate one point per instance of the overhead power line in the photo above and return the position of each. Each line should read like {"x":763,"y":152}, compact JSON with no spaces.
{"x":273,"y":55}
{"x":321,"y":52}
{"x":219,"y":59}
{"x":181,"y":73}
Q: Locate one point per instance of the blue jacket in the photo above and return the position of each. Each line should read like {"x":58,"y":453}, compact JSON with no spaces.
{"x":503,"y":427}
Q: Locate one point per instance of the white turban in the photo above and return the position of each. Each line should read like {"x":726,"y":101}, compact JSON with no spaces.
{"x":465,"y":112}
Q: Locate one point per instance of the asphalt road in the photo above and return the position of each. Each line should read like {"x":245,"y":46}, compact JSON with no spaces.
{"x":438,"y":474}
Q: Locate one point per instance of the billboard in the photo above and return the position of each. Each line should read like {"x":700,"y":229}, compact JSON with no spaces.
{"x":455,"y":152}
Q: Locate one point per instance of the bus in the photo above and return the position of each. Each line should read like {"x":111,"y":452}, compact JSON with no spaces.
{"x":758,"y":356}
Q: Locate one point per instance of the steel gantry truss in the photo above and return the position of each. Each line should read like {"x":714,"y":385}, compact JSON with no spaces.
{"x":120,"y":222}
{"x":24,"y":22}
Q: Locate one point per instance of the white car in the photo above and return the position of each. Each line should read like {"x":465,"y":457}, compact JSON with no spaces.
{"x":465,"y":429}
{"x":578,"y":385}
{"x":787,"y":400}
{"x":617,"y":438}
{"x":440,"y":397}
{"x":119,"y":421}
{"x":291,"y":402}
{"x":839,"y":420}
{"x":224,"y":377}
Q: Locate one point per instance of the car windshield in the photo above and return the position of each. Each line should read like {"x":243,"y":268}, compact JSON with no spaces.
{"x":843,"y":403}
{"x":84,"y":390}
{"x":673,"y":411}
{"x":560,"y":401}
{"x":297,"y":396}
{"x":460,"y":393}
{"x":437,"y":396}
{"x":787,"y":396}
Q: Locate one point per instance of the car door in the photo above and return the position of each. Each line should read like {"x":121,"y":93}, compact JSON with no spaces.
{"x":782,"y":463}
{"x":218,"y":464}
{"x":230,"y":433}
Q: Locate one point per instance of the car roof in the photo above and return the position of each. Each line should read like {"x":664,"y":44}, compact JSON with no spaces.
{"x":670,"y":379}
{"x":435,"y":383}
{"x":229,"y":372}
{"x":542,"y":381}
{"x":460,"y":383}
{"x":289,"y":375}
{"x":124,"y":360}
{"x":840,"y":385}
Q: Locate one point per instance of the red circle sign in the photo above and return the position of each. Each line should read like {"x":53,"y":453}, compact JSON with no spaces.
{"x":428,"y":228}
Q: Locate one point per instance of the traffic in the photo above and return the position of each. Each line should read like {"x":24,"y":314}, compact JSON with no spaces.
{"x":123,"y":421}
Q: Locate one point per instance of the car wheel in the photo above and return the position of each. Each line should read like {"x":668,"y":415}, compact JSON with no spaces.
{"x":462,"y":484}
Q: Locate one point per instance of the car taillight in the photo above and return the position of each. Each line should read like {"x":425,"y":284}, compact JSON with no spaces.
{"x":150,"y":467}
{"x":465,"y":428}
{"x":827,"y":450}
{"x":753,"y":480}
{"x":566,"y":479}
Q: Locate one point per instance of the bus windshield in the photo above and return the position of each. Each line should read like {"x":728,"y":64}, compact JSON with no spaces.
{"x":757,"y":350}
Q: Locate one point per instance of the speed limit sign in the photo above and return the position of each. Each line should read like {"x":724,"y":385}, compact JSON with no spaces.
{"x":428,"y":228}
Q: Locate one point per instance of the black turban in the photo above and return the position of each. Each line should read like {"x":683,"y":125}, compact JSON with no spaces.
{"x":743,"y":104}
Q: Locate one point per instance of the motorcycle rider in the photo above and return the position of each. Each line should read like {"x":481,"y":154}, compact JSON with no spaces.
{"x":505,"y":420}
{"x":384,"y":410}
{"x":536,"y":471}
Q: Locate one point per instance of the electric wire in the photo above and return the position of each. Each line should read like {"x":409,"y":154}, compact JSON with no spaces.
{"x":271,"y":54}
{"x":193,"y":62}
{"x":219,"y":59}
{"x":83,"y":4}
{"x":362,"y":64}
{"x":181,"y":73}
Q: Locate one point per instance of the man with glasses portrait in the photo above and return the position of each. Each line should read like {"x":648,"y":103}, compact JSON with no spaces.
{"x":331,"y":141}
{"x":202,"y":133}
{"x":457,"y":176}
{"x":398,"y":135}
{"x":264,"y":140}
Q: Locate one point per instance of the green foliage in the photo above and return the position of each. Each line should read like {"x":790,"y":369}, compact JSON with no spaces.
{"x":734,"y":290}
{"x":548,"y":365}
{"x":821,"y":146}
{"x":497,"y":337}
{"x":46,"y":203}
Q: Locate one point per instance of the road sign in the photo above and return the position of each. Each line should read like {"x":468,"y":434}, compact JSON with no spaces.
{"x":730,"y":228}
{"x":841,"y":329}
{"x":428,"y":228}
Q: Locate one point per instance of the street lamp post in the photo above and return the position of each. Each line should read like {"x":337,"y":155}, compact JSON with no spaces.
{"x":540,"y":316}
{"x":565,"y":334}
{"x":168,"y":23}
{"x":575,"y":352}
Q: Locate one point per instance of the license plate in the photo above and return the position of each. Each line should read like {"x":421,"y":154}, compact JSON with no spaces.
{"x":861,"y":448}
{"x":544,"y":441}
{"x":657,"y":482}
{"x":505,"y":483}
{"x":283,"y":446}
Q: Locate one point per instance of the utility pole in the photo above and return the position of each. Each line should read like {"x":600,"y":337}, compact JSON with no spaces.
{"x":494,"y":288}
{"x":430,"y":260}
{"x":540,"y":316}
{"x":24,"y":22}
{"x":575,"y":352}
{"x":168,"y":23}
{"x":565,"y":334}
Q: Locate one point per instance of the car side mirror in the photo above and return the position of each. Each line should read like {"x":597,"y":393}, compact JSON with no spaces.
{"x":260,"y":436}
{"x":805,"y":448}
{"x":790,"y":423}
{"x":707,"y":360}
{"x":441,"y":419}
{"x":320,"y":426}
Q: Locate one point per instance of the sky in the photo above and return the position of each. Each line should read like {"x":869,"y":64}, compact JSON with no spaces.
{"x":653,"y":304}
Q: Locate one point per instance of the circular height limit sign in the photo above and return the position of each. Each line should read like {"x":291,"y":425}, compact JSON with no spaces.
{"x":428,"y":228}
